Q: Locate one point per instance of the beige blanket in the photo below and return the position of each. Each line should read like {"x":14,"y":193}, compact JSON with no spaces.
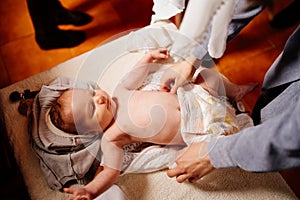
{"x":103,"y":66}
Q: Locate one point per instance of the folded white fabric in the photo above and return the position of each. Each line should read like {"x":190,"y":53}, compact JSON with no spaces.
{"x":165,"y":9}
{"x":113,"y":193}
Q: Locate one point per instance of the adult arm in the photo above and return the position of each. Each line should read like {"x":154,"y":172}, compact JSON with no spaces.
{"x":244,"y":12}
{"x":272,"y":146}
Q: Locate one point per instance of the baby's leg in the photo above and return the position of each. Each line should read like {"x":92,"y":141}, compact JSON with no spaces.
{"x":237,"y":92}
{"x":211,"y":81}
{"x":218,"y":85}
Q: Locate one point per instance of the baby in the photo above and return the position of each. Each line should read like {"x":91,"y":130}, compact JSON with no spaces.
{"x":129,"y":116}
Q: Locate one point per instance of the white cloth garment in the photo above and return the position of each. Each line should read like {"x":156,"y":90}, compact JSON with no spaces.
{"x":165,"y":9}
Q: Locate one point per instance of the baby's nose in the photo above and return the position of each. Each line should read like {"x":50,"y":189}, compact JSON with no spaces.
{"x":101,"y":100}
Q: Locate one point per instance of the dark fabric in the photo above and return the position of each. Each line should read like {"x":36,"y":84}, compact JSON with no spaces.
{"x":282,"y":73}
{"x":265,"y":97}
{"x":286,"y":67}
{"x":43,"y":12}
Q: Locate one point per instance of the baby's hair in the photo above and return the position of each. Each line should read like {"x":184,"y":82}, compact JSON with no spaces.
{"x":58,"y":122}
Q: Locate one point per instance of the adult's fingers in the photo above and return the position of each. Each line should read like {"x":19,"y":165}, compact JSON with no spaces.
{"x":179,"y":173}
{"x":167,"y":84}
{"x":183,"y":177}
{"x":176,"y":171}
{"x":194,"y":179}
{"x":175,"y":86}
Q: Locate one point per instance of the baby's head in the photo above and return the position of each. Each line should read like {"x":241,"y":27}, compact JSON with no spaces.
{"x":83,"y":111}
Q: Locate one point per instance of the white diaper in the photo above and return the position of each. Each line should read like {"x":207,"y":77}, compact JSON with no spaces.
{"x":204,"y":117}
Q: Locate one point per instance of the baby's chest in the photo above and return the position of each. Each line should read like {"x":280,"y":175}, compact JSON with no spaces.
{"x":153,"y":107}
{"x":149,"y":116}
{"x":153,"y":102}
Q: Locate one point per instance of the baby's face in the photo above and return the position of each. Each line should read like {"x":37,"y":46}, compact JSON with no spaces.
{"x":92,"y":110}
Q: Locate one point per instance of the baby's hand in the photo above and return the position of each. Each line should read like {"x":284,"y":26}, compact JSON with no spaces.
{"x":79,"y":193}
{"x":162,"y":53}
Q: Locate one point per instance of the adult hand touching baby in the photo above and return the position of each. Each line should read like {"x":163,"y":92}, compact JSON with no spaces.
{"x":199,"y":15}
{"x":176,"y":76}
{"x":192,"y":164}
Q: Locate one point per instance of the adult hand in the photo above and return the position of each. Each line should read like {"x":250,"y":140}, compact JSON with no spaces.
{"x":200,"y":14}
{"x":192,"y":164}
{"x":176,"y":76}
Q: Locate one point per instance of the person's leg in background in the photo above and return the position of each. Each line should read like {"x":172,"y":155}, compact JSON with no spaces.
{"x":265,"y":97}
{"x":288,"y":16}
{"x":46,"y":15}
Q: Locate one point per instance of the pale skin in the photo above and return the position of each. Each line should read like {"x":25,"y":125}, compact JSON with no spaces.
{"x":128,"y":116}
{"x":179,"y":73}
{"x":192,"y":165}
{"x":189,"y":164}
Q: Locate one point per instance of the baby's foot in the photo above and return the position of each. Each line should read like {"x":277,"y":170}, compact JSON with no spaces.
{"x":242,"y":90}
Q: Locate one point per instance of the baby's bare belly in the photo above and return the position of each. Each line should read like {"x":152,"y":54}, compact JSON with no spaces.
{"x":156,"y":117}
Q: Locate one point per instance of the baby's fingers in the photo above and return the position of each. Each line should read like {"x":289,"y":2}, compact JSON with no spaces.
{"x":163,"y":51}
{"x":160,"y":54}
{"x":74,"y":191}
{"x":76,"y":194}
{"x":69,"y":190}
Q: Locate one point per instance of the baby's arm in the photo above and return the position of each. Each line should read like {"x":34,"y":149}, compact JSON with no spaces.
{"x":112,"y":152}
{"x":103,"y":180}
{"x":134,"y":79}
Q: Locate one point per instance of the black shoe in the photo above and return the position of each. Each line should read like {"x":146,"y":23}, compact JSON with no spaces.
{"x":287,"y":17}
{"x":60,"y":39}
{"x":73,"y":17}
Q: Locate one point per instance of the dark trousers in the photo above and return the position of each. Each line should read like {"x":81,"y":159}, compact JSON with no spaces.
{"x":265,"y":97}
{"x":44,"y":14}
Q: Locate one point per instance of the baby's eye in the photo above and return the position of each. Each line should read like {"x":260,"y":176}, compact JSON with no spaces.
{"x":92,"y":110}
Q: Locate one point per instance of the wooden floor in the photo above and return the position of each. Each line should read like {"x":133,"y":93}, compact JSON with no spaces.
{"x":21,"y":57}
{"x":246,"y":59}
